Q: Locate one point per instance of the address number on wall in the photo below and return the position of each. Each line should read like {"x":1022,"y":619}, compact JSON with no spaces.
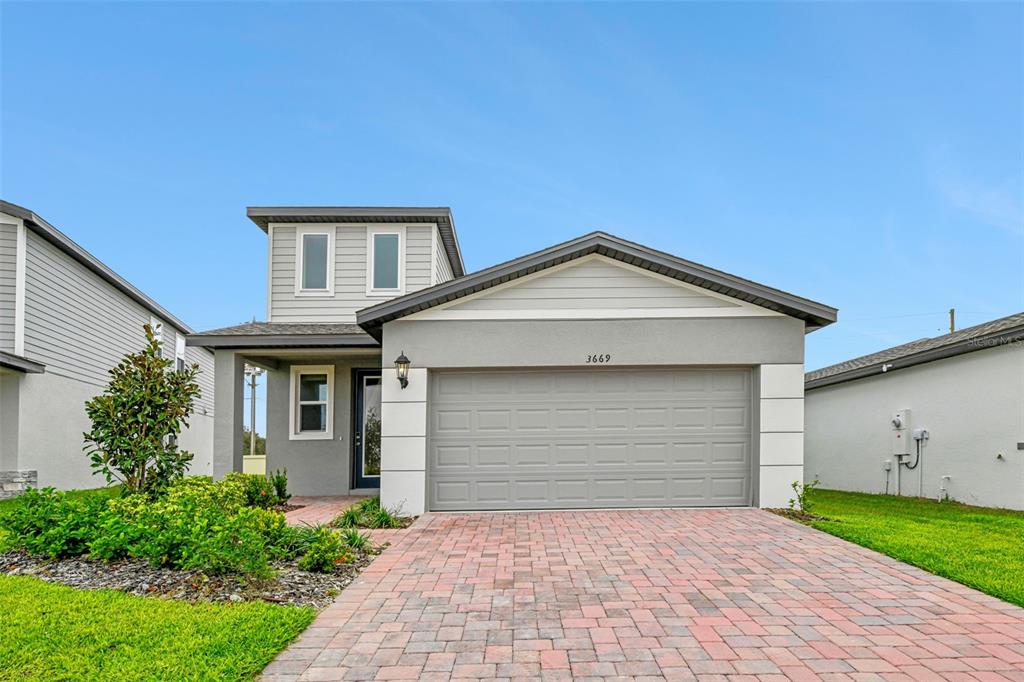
{"x":600,"y":358}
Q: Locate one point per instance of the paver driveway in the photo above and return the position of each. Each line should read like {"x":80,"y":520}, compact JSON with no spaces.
{"x":677,"y":594}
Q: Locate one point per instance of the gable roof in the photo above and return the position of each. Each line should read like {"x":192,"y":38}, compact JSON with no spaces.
{"x":73,"y":250}
{"x":815,"y":315}
{"x":439,"y":215}
{"x":986,"y":335}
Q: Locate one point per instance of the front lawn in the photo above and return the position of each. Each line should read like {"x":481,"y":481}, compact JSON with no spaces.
{"x":52,"y":632}
{"x":976,"y":546}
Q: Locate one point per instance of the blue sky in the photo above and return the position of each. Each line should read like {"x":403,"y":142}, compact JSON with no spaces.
{"x":866,"y":155}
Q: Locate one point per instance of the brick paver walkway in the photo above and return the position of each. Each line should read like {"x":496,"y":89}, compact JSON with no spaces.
{"x":660,"y":594}
{"x":319,"y":509}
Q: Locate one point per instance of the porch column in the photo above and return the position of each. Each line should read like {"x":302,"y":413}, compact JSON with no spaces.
{"x":229,"y":371}
{"x":781,"y":446}
{"x":403,"y":475}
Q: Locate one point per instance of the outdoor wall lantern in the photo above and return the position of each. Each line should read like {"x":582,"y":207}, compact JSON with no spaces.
{"x":402,"y":367}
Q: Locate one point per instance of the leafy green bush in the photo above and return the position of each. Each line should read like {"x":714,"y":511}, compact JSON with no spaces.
{"x":137,"y":419}
{"x":259,"y":490}
{"x":325,"y":551}
{"x":51,"y":523}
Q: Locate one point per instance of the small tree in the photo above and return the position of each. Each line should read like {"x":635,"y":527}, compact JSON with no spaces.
{"x":137,"y":419}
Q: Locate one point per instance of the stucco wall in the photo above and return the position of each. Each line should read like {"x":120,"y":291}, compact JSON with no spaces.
{"x":315,"y":467}
{"x":762,"y":342}
{"x":972,"y":405}
{"x":52,"y":420}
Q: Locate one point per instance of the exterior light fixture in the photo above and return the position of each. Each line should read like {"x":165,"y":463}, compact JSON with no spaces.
{"x":402,"y":367}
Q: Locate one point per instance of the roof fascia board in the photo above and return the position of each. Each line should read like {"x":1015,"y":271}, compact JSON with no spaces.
{"x":21,"y":363}
{"x":280,"y":341}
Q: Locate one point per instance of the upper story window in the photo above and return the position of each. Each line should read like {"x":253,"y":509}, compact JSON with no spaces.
{"x":385,"y":261}
{"x":314,"y":274}
{"x":179,"y":352}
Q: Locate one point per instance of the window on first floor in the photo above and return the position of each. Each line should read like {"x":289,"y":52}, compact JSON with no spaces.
{"x":312,"y":412}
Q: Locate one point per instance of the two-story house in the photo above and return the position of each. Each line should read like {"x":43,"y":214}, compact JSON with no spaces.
{"x":594,"y":373}
{"x":65,"y":320}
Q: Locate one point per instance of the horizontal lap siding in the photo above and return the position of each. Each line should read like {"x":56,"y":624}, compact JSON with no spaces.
{"x":80,"y":326}
{"x":442,"y":268}
{"x":8,"y":254}
{"x":593,"y":285}
{"x":350,"y":266}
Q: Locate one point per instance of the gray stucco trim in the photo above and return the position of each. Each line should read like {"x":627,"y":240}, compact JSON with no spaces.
{"x":895,"y":364}
{"x":439,"y":215}
{"x":68,"y":246}
{"x":283,"y":341}
{"x":20,"y":363}
{"x":815,"y":315}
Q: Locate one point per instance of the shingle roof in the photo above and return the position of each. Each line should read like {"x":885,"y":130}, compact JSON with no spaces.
{"x":282,"y":334}
{"x":985,"y":335}
{"x":815,"y":315}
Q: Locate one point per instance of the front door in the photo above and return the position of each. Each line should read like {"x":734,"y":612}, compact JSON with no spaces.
{"x":366,"y":438}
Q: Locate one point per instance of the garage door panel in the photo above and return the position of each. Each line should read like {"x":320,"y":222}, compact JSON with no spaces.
{"x":589,"y":438}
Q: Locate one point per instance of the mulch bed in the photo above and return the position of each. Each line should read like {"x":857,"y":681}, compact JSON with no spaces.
{"x":797,"y":515}
{"x":285,"y":508}
{"x":290,"y":585}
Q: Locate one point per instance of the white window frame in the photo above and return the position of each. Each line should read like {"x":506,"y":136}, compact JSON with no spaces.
{"x":300,"y":233}
{"x":293,"y":401}
{"x":370,"y":233}
{"x":179,"y":352}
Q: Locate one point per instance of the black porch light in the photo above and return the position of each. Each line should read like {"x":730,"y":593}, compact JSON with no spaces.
{"x":402,"y":367}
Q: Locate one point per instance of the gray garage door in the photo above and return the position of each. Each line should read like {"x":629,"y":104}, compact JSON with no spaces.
{"x":589,"y":438}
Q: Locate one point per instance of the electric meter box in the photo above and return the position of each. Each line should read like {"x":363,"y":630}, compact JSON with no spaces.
{"x":900,"y":433}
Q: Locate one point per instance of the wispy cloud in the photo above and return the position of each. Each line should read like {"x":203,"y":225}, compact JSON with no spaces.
{"x":998,"y":204}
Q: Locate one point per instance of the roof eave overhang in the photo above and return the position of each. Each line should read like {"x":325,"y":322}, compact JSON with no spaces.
{"x":1003,"y":338}
{"x":263,"y":216}
{"x":19,"y":363}
{"x":815,"y":315}
{"x":215,"y":341}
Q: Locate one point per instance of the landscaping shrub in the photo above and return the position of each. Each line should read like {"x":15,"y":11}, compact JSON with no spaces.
{"x":280,"y":481}
{"x":137,"y":419}
{"x":325,"y":551}
{"x":356,"y":540}
{"x":194,"y":524}
{"x":261,"y":491}
{"x":51,"y":523}
{"x":369,"y":513}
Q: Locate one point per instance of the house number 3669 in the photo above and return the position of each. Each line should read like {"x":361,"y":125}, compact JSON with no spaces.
{"x":599,"y":359}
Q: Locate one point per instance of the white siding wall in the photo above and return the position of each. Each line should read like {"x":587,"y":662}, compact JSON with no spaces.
{"x":8,"y":251}
{"x":973,"y":406}
{"x":350,"y":272}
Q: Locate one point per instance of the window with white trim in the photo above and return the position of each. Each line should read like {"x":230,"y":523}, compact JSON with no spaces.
{"x":312,"y":409}
{"x":385,"y":261}
{"x":158,"y":329}
{"x":314,"y":274}
{"x":179,"y":352}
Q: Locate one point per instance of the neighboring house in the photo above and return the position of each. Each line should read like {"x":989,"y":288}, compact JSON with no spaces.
{"x":965,"y":389}
{"x":65,"y":320}
{"x":595,"y":373}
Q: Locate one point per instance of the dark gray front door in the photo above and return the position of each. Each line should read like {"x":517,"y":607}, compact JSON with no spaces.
{"x":366,"y":453}
{"x":583,"y":438}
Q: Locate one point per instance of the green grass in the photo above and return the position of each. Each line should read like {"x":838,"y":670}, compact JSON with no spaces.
{"x":52,"y":632}
{"x":976,"y":546}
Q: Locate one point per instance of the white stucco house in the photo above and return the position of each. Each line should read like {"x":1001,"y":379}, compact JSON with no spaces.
{"x":937,"y":417}
{"x":594,"y":373}
{"x":65,"y":320}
